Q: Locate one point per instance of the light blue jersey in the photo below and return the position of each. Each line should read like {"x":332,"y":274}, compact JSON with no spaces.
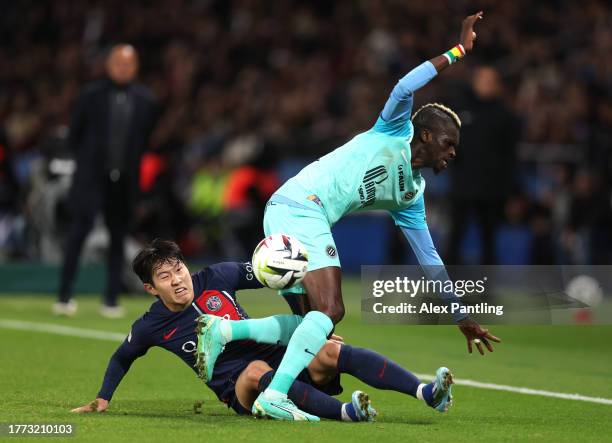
{"x":373,"y":170}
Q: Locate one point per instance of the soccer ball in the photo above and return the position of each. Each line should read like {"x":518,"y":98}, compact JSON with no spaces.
{"x":280,"y":261}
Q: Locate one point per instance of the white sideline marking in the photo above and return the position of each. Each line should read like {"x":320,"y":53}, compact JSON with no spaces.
{"x":520,"y":390}
{"x":115,"y":336}
{"x":60,"y":330}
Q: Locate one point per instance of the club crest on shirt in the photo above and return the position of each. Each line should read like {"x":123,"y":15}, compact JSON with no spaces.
{"x":214,"y":303}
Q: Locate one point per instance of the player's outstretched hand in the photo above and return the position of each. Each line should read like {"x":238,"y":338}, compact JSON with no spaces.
{"x":468,"y":35}
{"x":474,"y":334}
{"x":98,"y":405}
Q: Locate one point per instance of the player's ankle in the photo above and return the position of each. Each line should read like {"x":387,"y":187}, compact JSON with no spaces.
{"x":425,"y":393}
{"x":348,"y":412}
{"x":225,"y":328}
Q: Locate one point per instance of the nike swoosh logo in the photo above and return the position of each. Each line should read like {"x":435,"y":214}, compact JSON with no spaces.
{"x":308,"y":352}
{"x":170,"y":334}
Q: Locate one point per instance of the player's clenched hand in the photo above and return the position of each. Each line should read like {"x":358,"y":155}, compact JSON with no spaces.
{"x":98,"y":405}
{"x":468,"y":35}
{"x":474,"y":334}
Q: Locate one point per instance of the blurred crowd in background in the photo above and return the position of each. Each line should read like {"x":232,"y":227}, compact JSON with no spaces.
{"x":249,"y":91}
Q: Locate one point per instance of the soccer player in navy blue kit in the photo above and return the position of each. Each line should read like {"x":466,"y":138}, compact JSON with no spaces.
{"x":244,"y":368}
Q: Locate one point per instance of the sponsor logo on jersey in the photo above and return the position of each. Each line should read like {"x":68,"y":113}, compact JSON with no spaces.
{"x":400,"y":177}
{"x":214,"y":303}
{"x":331,"y":251}
{"x":249,"y":271}
{"x":373,"y":177}
{"x":189,"y":347}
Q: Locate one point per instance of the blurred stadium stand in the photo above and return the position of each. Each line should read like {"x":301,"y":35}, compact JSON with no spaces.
{"x":305,"y":76}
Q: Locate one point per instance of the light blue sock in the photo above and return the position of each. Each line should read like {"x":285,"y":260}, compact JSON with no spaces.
{"x":277,"y":329}
{"x":308,"y":338}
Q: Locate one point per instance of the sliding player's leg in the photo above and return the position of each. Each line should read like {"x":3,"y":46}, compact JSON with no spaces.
{"x":215,"y":332}
{"x":380,"y":372}
{"x":258,"y":374}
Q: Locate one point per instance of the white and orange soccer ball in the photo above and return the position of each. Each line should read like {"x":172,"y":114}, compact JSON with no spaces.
{"x":280,"y":261}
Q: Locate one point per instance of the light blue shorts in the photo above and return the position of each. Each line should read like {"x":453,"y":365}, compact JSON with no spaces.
{"x":308,"y":224}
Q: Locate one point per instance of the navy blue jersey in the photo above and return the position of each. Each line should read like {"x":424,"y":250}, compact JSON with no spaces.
{"x":214,"y":293}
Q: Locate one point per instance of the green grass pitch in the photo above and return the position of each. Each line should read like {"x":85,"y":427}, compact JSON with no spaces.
{"x":45,"y":375}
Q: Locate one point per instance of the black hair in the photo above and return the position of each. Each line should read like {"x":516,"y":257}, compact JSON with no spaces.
{"x":154,"y":255}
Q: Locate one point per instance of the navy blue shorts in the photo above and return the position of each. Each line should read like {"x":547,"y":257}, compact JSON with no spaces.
{"x":236,"y":358}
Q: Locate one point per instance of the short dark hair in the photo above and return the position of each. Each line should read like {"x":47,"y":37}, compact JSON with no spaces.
{"x":432,"y":115}
{"x":154,"y":255}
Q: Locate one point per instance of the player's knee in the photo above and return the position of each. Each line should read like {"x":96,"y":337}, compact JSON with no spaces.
{"x":255,"y":370}
{"x":328,"y":355}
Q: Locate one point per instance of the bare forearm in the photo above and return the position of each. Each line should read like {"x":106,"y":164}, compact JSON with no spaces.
{"x":440,"y":63}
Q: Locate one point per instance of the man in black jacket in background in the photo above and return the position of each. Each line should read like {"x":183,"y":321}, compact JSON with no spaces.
{"x":109,"y":130}
{"x":483,"y":173}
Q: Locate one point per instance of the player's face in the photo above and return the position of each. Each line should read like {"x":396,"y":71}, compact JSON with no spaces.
{"x":173,"y":285}
{"x":442,"y":148}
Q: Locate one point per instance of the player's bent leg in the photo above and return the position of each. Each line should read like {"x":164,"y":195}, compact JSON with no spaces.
{"x":247,"y":385}
{"x":324,"y":367}
{"x":311,"y":399}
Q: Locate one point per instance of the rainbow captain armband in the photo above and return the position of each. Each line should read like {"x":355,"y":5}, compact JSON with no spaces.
{"x":454,"y":54}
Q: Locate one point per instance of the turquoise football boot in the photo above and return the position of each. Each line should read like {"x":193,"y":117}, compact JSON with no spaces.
{"x":363,"y":407}
{"x":210,"y":345}
{"x":442,"y":387}
{"x":279,"y":409}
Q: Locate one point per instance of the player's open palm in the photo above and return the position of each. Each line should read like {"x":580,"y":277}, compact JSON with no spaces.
{"x":98,"y":405}
{"x":475,"y":335}
{"x":468,"y":35}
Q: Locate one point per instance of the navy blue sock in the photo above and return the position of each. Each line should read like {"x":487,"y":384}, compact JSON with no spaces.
{"x":308,"y":398}
{"x":428,"y":393}
{"x":376,"y":370}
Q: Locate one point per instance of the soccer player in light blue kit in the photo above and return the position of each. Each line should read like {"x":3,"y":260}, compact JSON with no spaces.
{"x":377,"y":169}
